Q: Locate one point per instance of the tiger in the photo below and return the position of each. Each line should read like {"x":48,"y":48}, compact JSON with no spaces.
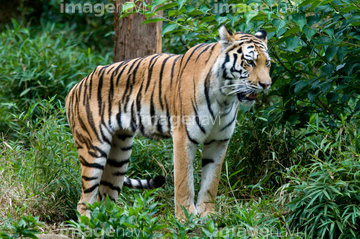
{"x":192,"y":98}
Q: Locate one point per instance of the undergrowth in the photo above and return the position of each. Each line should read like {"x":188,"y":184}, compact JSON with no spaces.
{"x":37,"y":65}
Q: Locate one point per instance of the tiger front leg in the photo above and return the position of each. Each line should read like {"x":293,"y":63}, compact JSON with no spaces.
{"x":212,"y":160}
{"x":184,"y":154}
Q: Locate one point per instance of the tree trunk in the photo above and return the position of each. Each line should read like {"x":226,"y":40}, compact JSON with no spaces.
{"x":133,"y":39}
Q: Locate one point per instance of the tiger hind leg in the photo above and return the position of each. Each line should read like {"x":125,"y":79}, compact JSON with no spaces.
{"x":93,"y":160}
{"x":116,"y":165}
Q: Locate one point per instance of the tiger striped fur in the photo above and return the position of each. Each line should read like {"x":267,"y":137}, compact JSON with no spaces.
{"x":192,"y":98}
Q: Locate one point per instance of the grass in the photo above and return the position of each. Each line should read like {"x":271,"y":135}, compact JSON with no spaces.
{"x":45,"y":63}
{"x":40,"y":176}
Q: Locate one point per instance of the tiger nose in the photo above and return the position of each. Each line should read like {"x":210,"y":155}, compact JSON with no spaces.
{"x":265,"y":85}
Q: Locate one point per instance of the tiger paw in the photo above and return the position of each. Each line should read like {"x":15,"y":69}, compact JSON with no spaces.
{"x":205,"y":210}
{"x":183,"y":212}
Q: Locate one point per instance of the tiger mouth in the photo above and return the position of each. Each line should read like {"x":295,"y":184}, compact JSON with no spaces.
{"x":247,"y":96}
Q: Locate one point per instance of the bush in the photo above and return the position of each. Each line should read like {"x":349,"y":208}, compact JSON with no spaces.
{"x":314,"y":44}
{"x":26,"y":226}
{"x":324,"y":202}
{"x":259,"y":151}
{"x":137,"y":217}
{"x":323,"y":196}
{"x":108,"y":220}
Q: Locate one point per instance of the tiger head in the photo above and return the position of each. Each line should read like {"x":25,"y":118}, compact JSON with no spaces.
{"x":243,"y":65}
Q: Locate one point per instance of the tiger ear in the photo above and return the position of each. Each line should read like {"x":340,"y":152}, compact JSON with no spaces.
{"x":261,"y":34}
{"x":226,"y":37}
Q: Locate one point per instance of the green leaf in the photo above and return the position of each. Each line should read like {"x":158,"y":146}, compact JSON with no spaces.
{"x":300,"y":20}
{"x":204,"y":9}
{"x":149,"y":14}
{"x":249,"y":15}
{"x":157,"y":2}
{"x":311,"y":95}
{"x":166,"y":6}
{"x":233,"y":18}
{"x":355,"y":24}
{"x":26,"y":91}
{"x":339,"y":67}
{"x":270,"y":35}
{"x":180,"y":3}
{"x":311,"y":20}
{"x":323,"y":2}
{"x":348,"y":9}
{"x":127,"y":6}
{"x":304,"y":3}
{"x":242,"y":8}
{"x":328,"y":69}
{"x":206,"y":232}
{"x":309,"y":32}
{"x":220,"y":20}
{"x":207,"y":19}
{"x":330,"y":32}
{"x":291,"y":31}
{"x":315,"y":4}
{"x":325,"y":87}
{"x":189,"y":8}
{"x":332,"y":97}
{"x":169,"y":27}
{"x":152,"y":20}
{"x":292,"y":42}
{"x":331,"y":52}
{"x":279,"y":24}
{"x":300,"y":85}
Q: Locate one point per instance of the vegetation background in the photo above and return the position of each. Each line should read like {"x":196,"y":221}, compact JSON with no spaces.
{"x":292,"y":169}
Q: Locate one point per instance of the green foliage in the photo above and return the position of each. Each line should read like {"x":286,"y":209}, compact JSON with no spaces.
{"x":325,"y":202}
{"x":315,"y":46}
{"x":88,"y":18}
{"x":313,"y":108}
{"x":26,"y":226}
{"x":261,"y":150}
{"x":36,"y":66}
{"x":109,"y":220}
{"x":47,"y":168}
{"x":323,"y":196}
{"x":138,"y":218}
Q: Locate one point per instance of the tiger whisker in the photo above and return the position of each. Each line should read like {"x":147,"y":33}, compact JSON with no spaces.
{"x":249,"y":91}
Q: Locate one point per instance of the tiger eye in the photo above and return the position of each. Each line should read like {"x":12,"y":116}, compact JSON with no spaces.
{"x":250,"y":62}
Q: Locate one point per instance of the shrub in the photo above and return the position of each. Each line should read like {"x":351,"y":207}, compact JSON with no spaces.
{"x":259,"y":151}
{"x":314,"y":44}
{"x":323,"y":196}
{"x":26,"y":226}
{"x":109,"y":220}
{"x":324,"y":202}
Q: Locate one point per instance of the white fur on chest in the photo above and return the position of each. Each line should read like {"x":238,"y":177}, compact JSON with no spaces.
{"x":218,"y":126}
